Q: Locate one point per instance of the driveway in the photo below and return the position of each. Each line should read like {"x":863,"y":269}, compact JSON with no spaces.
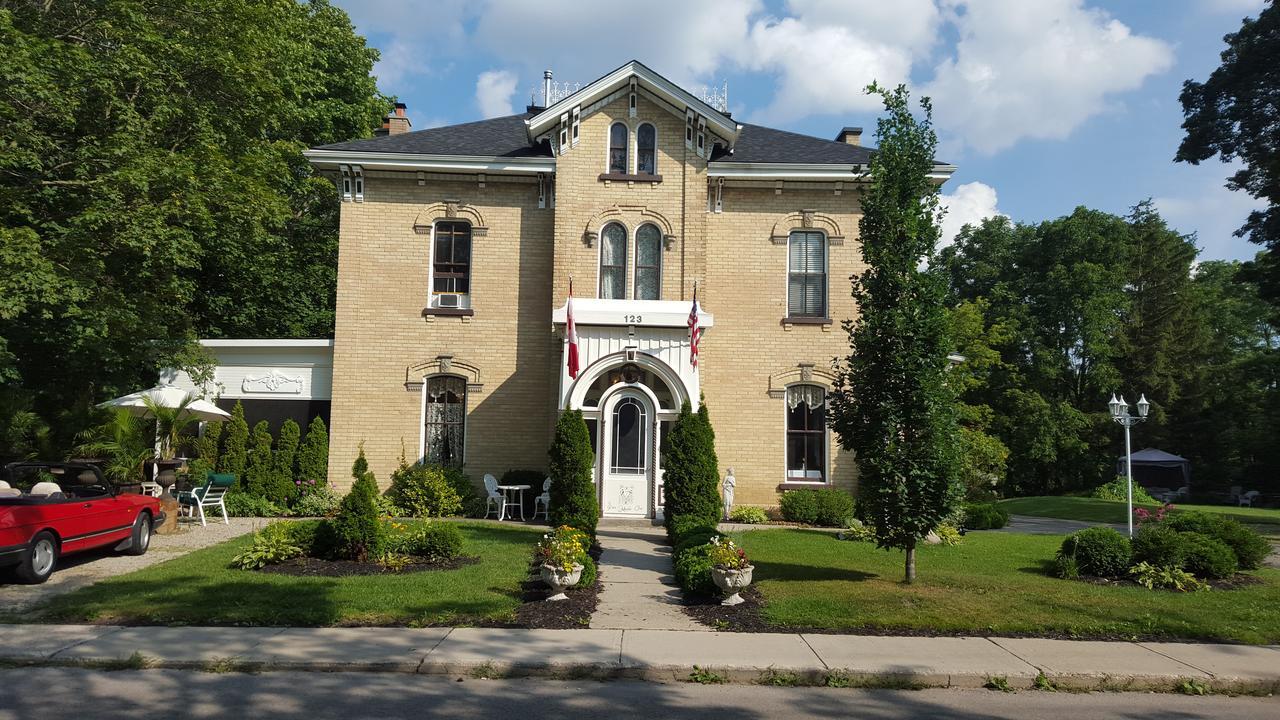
{"x":1050,"y":526}
{"x":86,"y":568}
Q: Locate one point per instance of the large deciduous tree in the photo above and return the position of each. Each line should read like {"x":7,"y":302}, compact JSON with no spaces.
{"x":892,"y":405}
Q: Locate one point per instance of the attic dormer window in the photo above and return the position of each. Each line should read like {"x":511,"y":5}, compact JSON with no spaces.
{"x":618,"y":149}
{"x":647,"y":149}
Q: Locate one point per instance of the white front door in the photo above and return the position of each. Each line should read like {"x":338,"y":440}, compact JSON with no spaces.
{"x":627,"y":441}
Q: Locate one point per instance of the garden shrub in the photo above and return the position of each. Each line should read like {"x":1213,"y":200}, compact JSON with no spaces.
{"x":679,"y":526}
{"x":948,"y":535}
{"x":858,"y":531}
{"x":234,"y":458}
{"x":313,"y":456}
{"x":242,"y":504}
{"x":469,"y":496}
{"x":589,"y":574}
{"x":1249,"y":547}
{"x":691,"y":475}
{"x":260,"y":465}
{"x":387,"y":508}
{"x":358,"y":532}
{"x":1166,"y":578}
{"x":573,"y":491}
{"x":284,"y":487}
{"x":435,"y":541}
{"x":1206,"y":556}
{"x":749,"y":515}
{"x":827,"y":507}
{"x":1159,"y":545}
{"x":1117,"y":489}
{"x":271,"y":545}
{"x":693,"y":538}
{"x":985,"y":516}
{"x":693,"y":570}
{"x":1099,"y":551}
{"x":423,"y":490}
{"x":316,"y":501}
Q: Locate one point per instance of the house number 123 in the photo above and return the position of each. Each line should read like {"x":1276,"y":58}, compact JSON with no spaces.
{"x":632,"y":318}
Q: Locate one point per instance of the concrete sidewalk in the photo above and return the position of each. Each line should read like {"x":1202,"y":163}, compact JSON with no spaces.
{"x":660,"y":655}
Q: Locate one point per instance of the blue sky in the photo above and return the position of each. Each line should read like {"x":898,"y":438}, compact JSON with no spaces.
{"x":1043,"y":104}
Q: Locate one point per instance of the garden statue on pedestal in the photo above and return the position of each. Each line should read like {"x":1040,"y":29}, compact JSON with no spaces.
{"x":729,"y":483}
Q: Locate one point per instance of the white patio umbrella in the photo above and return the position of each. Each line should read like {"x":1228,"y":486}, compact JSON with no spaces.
{"x":170,"y":397}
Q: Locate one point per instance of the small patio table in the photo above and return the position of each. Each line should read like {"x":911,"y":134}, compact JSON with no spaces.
{"x":506,"y":503}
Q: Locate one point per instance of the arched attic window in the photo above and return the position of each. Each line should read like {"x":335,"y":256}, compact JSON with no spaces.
{"x":618,"y":149}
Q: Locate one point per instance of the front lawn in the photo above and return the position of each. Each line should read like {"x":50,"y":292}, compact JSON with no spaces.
{"x":1111,"y":511}
{"x":991,"y":584}
{"x":200,"y":589}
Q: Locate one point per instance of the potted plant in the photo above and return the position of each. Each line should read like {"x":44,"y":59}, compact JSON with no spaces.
{"x":562,"y":554}
{"x":730,"y":569}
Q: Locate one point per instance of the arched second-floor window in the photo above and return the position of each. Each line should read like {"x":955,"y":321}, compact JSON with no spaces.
{"x":648,"y":275}
{"x":618,"y":154}
{"x":451,"y":264}
{"x":613,"y":262}
{"x":444,"y":418}
{"x":647,"y":150}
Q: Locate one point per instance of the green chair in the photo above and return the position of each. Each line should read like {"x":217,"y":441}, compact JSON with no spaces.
{"x":210,"y":495}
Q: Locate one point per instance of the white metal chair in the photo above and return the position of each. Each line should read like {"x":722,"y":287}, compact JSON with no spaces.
{"x":494,"y":498}
{"x":544,"y":500}
{"x":1246,"y":500}
{"x":210,"y":495}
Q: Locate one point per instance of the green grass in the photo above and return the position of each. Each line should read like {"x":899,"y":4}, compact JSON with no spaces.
{"x":200,"y":589}
{"x":993,"y":583}
{"x":1111,"y":511}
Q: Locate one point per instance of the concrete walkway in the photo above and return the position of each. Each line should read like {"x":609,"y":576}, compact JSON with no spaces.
{"x":639,"y":591}
{"x":661,"y":655}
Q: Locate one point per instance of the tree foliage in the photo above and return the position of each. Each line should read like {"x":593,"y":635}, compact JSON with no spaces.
{"x":690,"y":470}
{"x":357,"y":533}
{"x":573,"y":492}
{"x":260,"y":468}
{"x":152,"y":187}
{"x":284,"y":472}
{"x":313,"y":458}
{"x":234,"y":458}
{"x":892,"y":405}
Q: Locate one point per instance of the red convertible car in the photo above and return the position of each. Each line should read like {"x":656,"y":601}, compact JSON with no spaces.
{"x":51,"y":509}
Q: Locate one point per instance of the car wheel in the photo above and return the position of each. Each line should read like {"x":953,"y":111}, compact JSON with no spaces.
{"x":39,"y":560}
{"x":141,"y":535}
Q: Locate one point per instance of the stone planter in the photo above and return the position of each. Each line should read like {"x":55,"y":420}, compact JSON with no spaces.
{"x":732,"y":582}
{"x":559,"y":580}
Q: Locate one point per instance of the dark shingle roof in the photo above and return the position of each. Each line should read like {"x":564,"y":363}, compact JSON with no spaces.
{"x":758,"y":144}
{"x":497,"y":137}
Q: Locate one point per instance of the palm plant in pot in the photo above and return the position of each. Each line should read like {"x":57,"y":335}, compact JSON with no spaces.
{"x":730,"y":569}
{"x":562,"y":555}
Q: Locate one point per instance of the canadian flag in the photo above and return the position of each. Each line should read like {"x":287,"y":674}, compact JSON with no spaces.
{"x":571,"y":334}
{"x":694,"y":331}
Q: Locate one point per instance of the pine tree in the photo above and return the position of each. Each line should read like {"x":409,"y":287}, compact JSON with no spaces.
{"x":313,"y":457}
{"x":891,"y":405}
{"x":234,"y":458}
{"x":260,"y":466}
{"x":573,"y":493}
{"x":283,"y":479}
{"x":691,"y":474}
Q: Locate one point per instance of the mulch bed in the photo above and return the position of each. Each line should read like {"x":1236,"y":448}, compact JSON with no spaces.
{"x":747,"y":616}
{"x":561,"y":614}
{"x":1235,"y":582}
{"x":315,"y":567}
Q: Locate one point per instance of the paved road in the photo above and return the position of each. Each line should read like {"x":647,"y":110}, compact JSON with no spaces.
{"x":73,"y":694}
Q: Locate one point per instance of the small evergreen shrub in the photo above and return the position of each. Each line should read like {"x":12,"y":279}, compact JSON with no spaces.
{"x":1099,"y":551}
{"x":242,"y":504}
{"x":1117,"y":489}
{"x":589,"y":574}
{"x":1249,"y":547}
{"x":260,"y":468}
{"x":313,"y":456}
{"x":1206,"y":557}
{"x":234,"y":456}
{"x":749,"y":515}
{"x":680,"y":526}
{"x":1159,"y":545}
{"x":693,"y":538}
{"x":317,"y":501}
{"x":826,"y":507}
{"x":284,"y":486}
{"x":423,"y":491}
{"x":435,"y":541}
{"x":358,"y":531}
{"x":693,"y":570}
{"x":691,"y":475}
{"x":573,"y":491}
{"x":985,"y":516}
{"x":469,"y":496}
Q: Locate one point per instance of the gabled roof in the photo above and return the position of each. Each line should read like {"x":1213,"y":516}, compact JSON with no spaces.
{"x":496,"y":137}
{"x":757,"y":144}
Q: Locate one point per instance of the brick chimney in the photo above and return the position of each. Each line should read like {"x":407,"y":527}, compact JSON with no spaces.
{"x":850,"y":136}
{"x":397,"y":122}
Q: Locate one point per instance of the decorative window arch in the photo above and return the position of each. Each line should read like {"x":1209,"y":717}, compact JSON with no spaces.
{"x":646,"y":149}
{"x":806,"y":412}
{"x":444,"y":419}
{"x":648,"y":271}
{"x":618,"y":152}
{"x":613,"y":262}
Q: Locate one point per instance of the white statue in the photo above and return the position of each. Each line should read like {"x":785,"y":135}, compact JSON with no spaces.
{"x":729,"y":482}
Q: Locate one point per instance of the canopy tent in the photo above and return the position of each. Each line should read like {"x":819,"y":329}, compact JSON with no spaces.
{"x":1152,"y":467}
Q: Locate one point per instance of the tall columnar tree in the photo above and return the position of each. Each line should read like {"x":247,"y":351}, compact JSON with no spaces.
{"x":260,"y":467}
{"x":356,"y":532}
{"x":286,"y":455}
{"x":892,"y":406}
{"x":691,"y":474}
{"x":208,"y":445}
{"x":234,"y":457}
{"x":573,"y":493}
{"x":1233,"y":115}
{"x":313,"y":457}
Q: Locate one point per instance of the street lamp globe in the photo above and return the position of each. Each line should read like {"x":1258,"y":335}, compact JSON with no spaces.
{"x":1114,"y":404}
{"x":1143,"y":406}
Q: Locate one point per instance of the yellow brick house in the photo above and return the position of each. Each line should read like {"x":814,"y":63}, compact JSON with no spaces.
{"x":458,"y":244}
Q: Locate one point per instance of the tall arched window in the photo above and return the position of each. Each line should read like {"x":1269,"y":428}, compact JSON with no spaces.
{"x":451,"y":265}
{"x":629,"y":437}
{"x":806,"y":433}
{"x":618,"y":149}
{"x":646,"y":150}
{"x":444,"y":415}
{"x":648,"y":263}
{"x":807,"y":274}
{"x":613,"y":262}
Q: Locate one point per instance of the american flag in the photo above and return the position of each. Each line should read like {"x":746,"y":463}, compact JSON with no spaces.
{"x":571,"y":334}
{"x":695,"y":333}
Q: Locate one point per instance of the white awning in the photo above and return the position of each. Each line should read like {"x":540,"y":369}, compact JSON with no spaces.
{"x":640,"y":313}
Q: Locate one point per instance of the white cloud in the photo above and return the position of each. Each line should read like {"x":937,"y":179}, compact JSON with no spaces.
{"x":1212,"y":212}
{"x":494,"y":89}
{"x":970,"y":204}
{"x":1035,"y":70}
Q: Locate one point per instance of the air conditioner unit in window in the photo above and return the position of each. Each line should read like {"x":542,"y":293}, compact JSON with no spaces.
{"x":448,"y":300}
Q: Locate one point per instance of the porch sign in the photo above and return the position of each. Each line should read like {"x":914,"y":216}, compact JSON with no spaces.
{"x":571,"y":332}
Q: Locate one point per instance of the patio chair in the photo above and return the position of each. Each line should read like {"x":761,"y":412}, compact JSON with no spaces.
{"x":544,"y":500}
{"x":494,"y":497}
{"x":210,"y":495}
{"x":1246,"y":500}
